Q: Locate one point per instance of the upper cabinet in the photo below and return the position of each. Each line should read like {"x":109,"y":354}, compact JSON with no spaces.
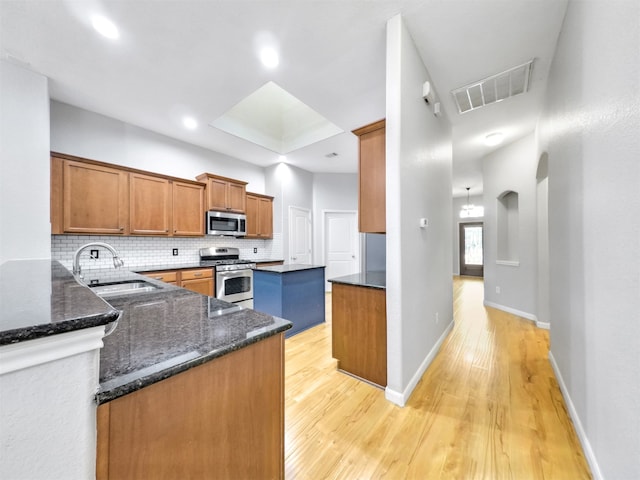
{"x":224,"y":194}
{"x":188,"y":209}
{"x":150,"y":204}
{"x":259,"y":216}
{"x":89,"y":197}
{"x":371,"y":178}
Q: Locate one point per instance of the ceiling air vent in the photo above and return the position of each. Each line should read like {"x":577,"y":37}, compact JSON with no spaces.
{"x":494,"y":88}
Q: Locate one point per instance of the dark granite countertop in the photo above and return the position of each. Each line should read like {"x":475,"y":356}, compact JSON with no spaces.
{"x":288,"y":268}
{"x":40,"y":298}
{"x":363,"y":279}
{"x":165,"y":332}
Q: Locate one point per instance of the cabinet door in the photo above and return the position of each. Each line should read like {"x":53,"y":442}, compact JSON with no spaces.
{"x":203,"y":286}
{"x":236,"y":196}
{"x":252,"y":215}
{"x":188,"y":209}
{"x":265,"y":218}
{"x":150,"y":204}
{"x":95,"y":199}
{"x":217,"y":194}
{"x":371,"y":178}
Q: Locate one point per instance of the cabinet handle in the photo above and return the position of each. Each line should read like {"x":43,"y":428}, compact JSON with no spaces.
{"x":122,"y":229}
{"x":158,"y":278}
{"x":167,"y":230}
{"x":197,"y":274}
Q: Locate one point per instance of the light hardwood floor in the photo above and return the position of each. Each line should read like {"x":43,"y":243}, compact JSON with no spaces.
{"x":488,"y":407}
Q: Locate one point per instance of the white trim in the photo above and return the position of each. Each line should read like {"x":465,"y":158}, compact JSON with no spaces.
{"x":543,"y":325}
{"x":528,"y":316}
{"x":30,"y":353}
{"x":573,"y":413}
{"x":400,"y":398}
{"x":508,"y":263}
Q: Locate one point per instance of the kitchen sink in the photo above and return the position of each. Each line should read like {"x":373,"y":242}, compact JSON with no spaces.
{"x":128,"y":287}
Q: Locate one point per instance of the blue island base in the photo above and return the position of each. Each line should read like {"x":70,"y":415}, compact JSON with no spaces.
{"x":293,"y":292}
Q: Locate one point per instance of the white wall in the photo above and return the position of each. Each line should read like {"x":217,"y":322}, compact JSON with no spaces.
{"x":292,"y":187}
{"x":457,"y":203}
{"x":512,"y":167}
{"x":331,"y":191}
{"x":24,"y":164}
{"x":590,"y":131}
{"x":418,"y":157}
{"x":87,"y":134}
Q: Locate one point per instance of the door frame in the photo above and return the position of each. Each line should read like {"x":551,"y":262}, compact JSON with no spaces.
{"x":324,"y":234}
{"x":461,"y":227}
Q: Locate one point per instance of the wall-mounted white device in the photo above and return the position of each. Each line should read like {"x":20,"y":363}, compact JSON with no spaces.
{"x":427,"y":92}
{"x":424,"y":222}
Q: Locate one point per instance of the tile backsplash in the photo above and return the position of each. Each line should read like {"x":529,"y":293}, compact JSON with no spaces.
{"x":147,"y":251}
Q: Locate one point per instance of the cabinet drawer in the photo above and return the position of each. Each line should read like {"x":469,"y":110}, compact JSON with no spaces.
{"x":197,"y":274}
{"x":163,"y":276}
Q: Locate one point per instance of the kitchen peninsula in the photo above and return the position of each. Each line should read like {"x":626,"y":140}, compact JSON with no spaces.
{"x":359,"y":325}
{"x":187,"y":384}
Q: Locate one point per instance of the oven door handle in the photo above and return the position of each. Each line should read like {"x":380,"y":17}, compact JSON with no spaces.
{"x":235,"y":273}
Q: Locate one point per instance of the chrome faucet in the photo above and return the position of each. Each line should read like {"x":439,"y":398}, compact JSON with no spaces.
{"x":117,"y":261}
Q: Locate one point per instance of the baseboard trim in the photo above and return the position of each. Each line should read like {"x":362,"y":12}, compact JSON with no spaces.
{"x":400,"y":398}
{"x":543,"y":325}
{"x":514,"y":311}
{"x":575,"y":418}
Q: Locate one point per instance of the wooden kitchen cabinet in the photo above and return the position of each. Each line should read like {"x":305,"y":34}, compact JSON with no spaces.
{"x":199,"y":280}
{"x":372,"y":178}
{"x":221,"y":419}
{"x":359,"y":331}
{"x":259,"y":216}
{"x":88,"y":198}
{"x":167,"y":276}
{"x":224,"y":194}
{"x":188,"y":209}
{"x":150,"y":204}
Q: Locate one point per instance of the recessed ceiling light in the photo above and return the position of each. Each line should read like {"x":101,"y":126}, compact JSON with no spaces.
{"x":493,"y":139}
{"x":269,"y":57}
{"x":190,"y":123}
{"x":105,"y":27}
{"x":282,"y":158}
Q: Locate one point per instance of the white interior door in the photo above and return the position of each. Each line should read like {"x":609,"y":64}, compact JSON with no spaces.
{"x":341,"y":245}
{"x":299,"y":235}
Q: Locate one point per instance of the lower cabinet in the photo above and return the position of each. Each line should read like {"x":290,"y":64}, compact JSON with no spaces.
{"x":220,"y":420}
{"x":359,"y":331}
{"x":199,"y":280}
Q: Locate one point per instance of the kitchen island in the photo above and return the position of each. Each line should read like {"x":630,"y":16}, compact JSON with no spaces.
{"x":188,"y":386}
{"x":294,"y":292}
{"x":359,"y":325}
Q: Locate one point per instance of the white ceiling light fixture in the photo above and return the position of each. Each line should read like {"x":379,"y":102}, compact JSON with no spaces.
{"x":105,"y":27}
{"x":493,"y":139}
{"x":190,"y":123}
{"x":269,"y":57}
{"x":495,"y":88}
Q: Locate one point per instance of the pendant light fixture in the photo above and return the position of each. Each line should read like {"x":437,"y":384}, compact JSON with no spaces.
{"x":470,"y":210}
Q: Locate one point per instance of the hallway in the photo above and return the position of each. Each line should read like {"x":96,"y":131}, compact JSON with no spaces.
{"x":488,"y":407}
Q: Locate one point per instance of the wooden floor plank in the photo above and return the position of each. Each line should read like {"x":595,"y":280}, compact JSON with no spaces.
{"x":488,"y":407}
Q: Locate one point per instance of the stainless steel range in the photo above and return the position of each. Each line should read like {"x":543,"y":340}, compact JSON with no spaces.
{"x":234,"y":277}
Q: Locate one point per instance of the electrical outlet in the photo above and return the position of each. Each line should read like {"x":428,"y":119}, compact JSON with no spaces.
{"x":255,"y":250}
{"x":175,"y":252}
{"x":497,"y":289}
{"x":95,"y":254}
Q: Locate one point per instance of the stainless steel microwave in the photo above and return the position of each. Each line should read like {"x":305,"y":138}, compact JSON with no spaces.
{"x":225,"y":223}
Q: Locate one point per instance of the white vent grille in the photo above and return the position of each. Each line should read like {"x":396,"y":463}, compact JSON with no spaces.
{"x":494,"y":88}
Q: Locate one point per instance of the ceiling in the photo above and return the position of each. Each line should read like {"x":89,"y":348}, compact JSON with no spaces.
{"x":200,"y":58}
